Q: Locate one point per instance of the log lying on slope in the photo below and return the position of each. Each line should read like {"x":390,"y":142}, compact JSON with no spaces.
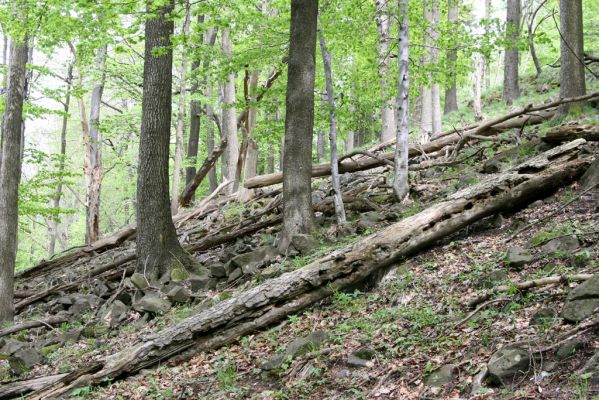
{"x":571,"y":131}
{"x":273,"y":300}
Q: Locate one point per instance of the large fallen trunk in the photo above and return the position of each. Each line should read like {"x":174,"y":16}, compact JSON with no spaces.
{"x":571,"y":131}
{"x":364,"y":162}
{"x":271,"y":301}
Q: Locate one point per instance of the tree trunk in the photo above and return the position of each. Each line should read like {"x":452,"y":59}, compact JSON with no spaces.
{"x":435,"y":88}
{"x":276,"y":298}
{"x":531,"y":38}
{"x":511,"y":87}
{"x":298,"y":217}
{"x":180,"y":120}
{"x":571,"y":77}
{"x":426,"y":114}
{"x":338,"y":196}
{"x":320,"y":146}
{"x":55,"y":224}
{"x":451,"y":93}
{"x":487,"y":60}
{"x":478,"y":82}
{"x":270,"y":159}
{"x":212,"y":178}
{"x":10,"y":173}
{"x":388,"y":123}
{"x":229,"y":124}
{"x":158,"y":248}
{"x":400,"y":179}
{"x":244,"y":170}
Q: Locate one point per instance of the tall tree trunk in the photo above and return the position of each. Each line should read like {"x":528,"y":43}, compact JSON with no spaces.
{"x":511,"y":87}
{"x":435,"y":88}
{"x":158,"y":249}
{"x":531,"y":38}
{"x":229,"y":124}
{"x":479,"y":69}
{"x":93,"y":150}
{"x":10,"y":173}
{"x":298,"y":217}
{"x":400,"y":179}
{"x":487,"y":60}
{"x":572,"y":79}
{"x":338,"y":197}
{"x":270,"y":159}
{"x":212,"y":178}
{"x":426,"y":114}
{"x":388,"y":123}
{"x":320,"y":145}
{"x":249,"y":124}
{"x":181,"y":119}
{"x":451,"y":93}
{"x":55,"y":224}
{"x":349,"y":143}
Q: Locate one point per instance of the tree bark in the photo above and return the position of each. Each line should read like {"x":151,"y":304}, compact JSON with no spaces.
{"x":298,"y":217}
{"x":180,"y":119}
{"x":531,"y":38}
{"x":511,"y":87}
{"x":212,"y":178}
{"x":320,"y":146}
{"x":55,"y":224}
{"x":229,"y":124}
{"x":434,"y":52}
{"x":10,"y":173}
{"x":479,"y":70}
{"x":451,"y":93}
{"x":338,"y":195}
{"x":382,"y":17}
{"x":92,"y":146}
{"x":400,"y":181}
{"x":572,"y":79}
{"x":487,"y":60}
{"x":158,"y":248}
{"x":273,"y":300}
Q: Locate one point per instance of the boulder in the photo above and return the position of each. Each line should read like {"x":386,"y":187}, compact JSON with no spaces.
{"x":179,"y":294}
{"x":507,"y":363}
{"x":200,"y":282}
{"x":318,"y":196}
{"x":234,"y":275}
{"x":368,"y":220}
{"x":582,"y":258}
{"x":153,"y":303}
{"x":569,"y":349}
{"x":305,"y":244}
{"x":10,"y":346}
{"x":492,"y":278}
{"x":542,"y":316}
{"x":218,"y":270}
{"x":254,"y":259}
{"x":517,"y":257}
{"x":295,"y":349}
{"x":441,"y":376}
{"x":118,"y":312}
{"x":139,"y":281}
{"x":565,"y":244}
{"x":491,"y":167}
{"x":361,"y":358}
{"x":22,"y":360}
{"x":582,"y":301}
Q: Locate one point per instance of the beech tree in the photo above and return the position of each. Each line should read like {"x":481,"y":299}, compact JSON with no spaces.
{"x":572,"y":79}
{"x":10,"y":170}
{"x":158,"y":249}
{"x":400,"y":181}
{"x":511,"y":86}
{"x":298,"y":217}
{"x":383,"y":21}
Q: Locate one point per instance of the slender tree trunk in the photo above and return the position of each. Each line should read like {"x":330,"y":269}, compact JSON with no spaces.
{"x":249,"y":124}
{"x":281,"y":153}
{"x":93,"y":150}
{"x":320,"y":145}
{"x":4,"y":80}
{"x":478,"y":80}
{"x":487,"y":60}
{"x":572,"y":79}
{"x":388,"y":123}
{"x":338,"y":197}
{"x":511,"y":87}
{"x":158,"y":248}
{"x":400,"y":179}
{"x":349,"y":143}
{"x":531,"y":38}
{"x":10,"y":173}
{"x":271,"y":159}
{"x":181,"y":120}
{"x":435,"y":88}
{"x":212,"y":178}
{"x":451,"y":93}
{"x":426,"y":114}
{"x":298,"y":216}
{"x":55,"y":224}
{"x":229,"y":124}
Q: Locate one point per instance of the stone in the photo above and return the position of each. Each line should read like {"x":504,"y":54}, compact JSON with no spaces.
{"x":361,"y":358}
{"x":543,"y":315}
{"x":10,"y":346}
{"x":582,"y":258}
{"x":271,"y":271}
{"x":441,"y":376}
{"x":578,"y":310}
{"x":318,"y":196}
{"x":118,"y":311}
{"x":254,"y":259}
{"x":139,"y":281}
{"x":566,"y":245}
{"x":153,"y":303}
{"x":218,"y":270}
{"x":236,"y":274}
{"x":94,"y":331}
{"x":80,"y":305}
{"x":295,"y":349}
{"x":303,"y":243}
{"x":491,"y":167}
{"x":101,"y":290}
{"x":585,"y":290}
{"x":64,"y":300}
{"x":517,"y":257}
{"x":492,"y":278}
{"x":180,"y":274}
{"x":536,"y":204}
{"x":368,"y":220}
{"x":507,"y":363}
{"x":179,"y":294}
{"x":199,"y":283}
{"x":569,"y":349}
{"x":342,"y":373}
{"x":22,"y":360}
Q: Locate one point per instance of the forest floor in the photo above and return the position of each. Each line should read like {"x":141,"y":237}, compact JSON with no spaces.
{"x":412,"y":336}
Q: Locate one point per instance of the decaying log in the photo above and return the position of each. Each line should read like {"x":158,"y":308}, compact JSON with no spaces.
{"x":273,"y":300}
{"x":550,"y":280}
{"x":33,"y":324}
{"x":207,"y":165}
{"x":571,"y":131}
{"x":16,"y":389}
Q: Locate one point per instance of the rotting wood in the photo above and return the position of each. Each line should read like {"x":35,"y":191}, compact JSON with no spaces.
{"x":571,"y":131}
{"x":16,"y":389}
{"x":551,"y":280}
{"x":273,"y":300}
{"x":49,"y":322}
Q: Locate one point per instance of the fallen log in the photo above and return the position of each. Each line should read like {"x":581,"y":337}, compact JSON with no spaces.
{"x":33,"y":324}
{"x":551,"y":280}
{"x":364,"y":162}
{"x":571,"y":131}
{"x":187,"y":195}
{"x":17,"y":389}
{"x":273,"y":300}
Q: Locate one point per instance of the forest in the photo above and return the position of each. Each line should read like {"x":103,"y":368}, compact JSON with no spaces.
{"x":299,"y":199}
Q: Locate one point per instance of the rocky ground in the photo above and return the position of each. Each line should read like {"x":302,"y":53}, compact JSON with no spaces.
{"x":417,"y":334}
